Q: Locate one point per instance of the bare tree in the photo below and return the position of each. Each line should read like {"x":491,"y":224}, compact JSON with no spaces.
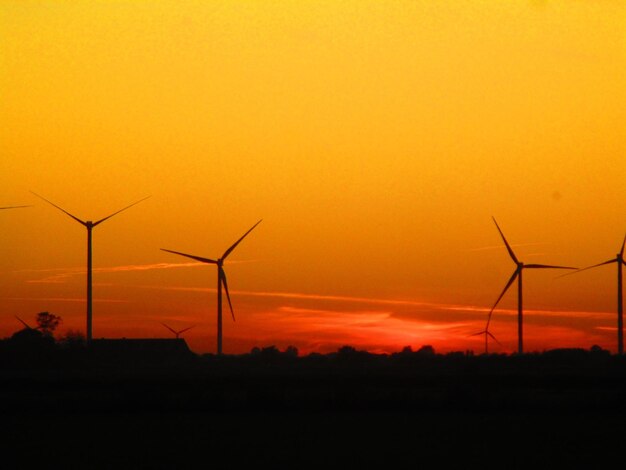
{"x":47,"y":322}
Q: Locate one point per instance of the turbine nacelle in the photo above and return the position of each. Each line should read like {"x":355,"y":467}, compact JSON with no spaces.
{"x":89,"y":224}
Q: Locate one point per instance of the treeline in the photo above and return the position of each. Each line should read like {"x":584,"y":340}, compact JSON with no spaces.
{"x":36,"y":348}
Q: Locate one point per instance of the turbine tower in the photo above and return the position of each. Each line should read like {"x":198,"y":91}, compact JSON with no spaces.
{"x":221,"y":280}
{"x":619,"y":259}
{"x":177,"y":333}
{"x":487,"y":334}
{"x":89,"y":225}
{"x":520,"y":266}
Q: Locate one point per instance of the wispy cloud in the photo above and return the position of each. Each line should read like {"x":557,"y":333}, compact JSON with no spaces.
{"x":326,"y":329}
{"x":389,"y":302}
{"x":61,"y":275}
{"x":66,"y":299}
{"x":306,"y":296}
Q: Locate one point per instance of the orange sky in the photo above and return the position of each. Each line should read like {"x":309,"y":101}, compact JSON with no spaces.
{"x":375,"y":139}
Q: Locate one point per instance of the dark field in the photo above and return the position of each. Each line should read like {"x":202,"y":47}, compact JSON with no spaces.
{"x":567,"y":408}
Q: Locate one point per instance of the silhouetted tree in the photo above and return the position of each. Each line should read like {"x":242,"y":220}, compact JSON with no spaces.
{"x":596,"y":351}
{"x":47,"y":322}
{"x":270,"y":351}
{"x":26,"y":335}
{"x":31,"y":340}
{"x":73,"y":339}
{"x":426,"y":350}
{"x":291,"y":351}
{"x":346,"y":351}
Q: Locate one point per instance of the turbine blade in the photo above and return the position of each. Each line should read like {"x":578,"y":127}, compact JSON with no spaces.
{"x":13,"y":207}
{"x":588,"y":267}
{"x":121,"y":210}
{"x":227,"y":252}
{"x":24,"y":323}
{"x":591,"y":267}
{"x":61,"y":209}
{"x":171,"y":329}
{"x":494,"y":338}
{"x":508,"y":247}
{"x":197,"y":258}
{"x":477,"y":334}
{"x":508,"y":284}
{"x":599,"y":264}
{"x":185,"y":329}
{"x":223,"y":274}
{"x":621,"y":252}
{"x":547,"y":266}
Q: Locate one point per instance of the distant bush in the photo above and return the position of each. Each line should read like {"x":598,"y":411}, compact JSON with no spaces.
{"x":291,"y":351}
{"x":273,"y":351}
{"x":426,"y":350}
{"x":30,"y":340}
{"x":73,"y":339}
{"x":346,"y":351}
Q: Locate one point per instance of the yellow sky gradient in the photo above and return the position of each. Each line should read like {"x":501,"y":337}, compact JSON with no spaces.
{"x":375,"y":139}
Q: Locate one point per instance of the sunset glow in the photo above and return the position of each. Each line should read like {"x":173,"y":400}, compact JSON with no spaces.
{"x":375,"y":139}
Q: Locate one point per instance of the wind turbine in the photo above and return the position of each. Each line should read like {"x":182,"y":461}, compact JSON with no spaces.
{"x":487,"y":334}
{"x":89,"y":225}
{"x":177,"y":333}
{"x":619,"y":259}
{"x":518,"y":274}
{"x":28,"y":327}
{"x":221,"y":279}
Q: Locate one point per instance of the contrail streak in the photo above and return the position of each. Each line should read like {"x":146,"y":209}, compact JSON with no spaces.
{"x":66,"y":299}
{"x":493,"y":247}
{"x":63,"y":274}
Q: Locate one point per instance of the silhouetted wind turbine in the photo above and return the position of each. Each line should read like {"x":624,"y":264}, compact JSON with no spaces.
{"x":518,"y":274}
{"x":89,"y":225}
{"x":221,"y":279}
{"x":619,"y":259}
{"x":177,"y":333}
{"x":28,"y":327}
{"x":487,"y":334}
